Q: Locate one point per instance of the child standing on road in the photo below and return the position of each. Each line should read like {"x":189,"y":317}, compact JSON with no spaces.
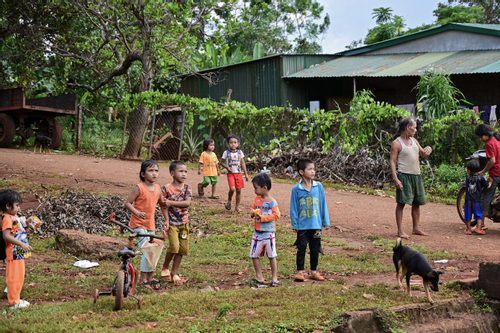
{"x":178,"y":196}
{"x":474,"y":186}
{"x":17,"y":247}
{"x":265,"y":211}
{"x":142,"y":202}
{"x":309,"y":214}
{"x":235,"y":164}
{"x":210,"y":168}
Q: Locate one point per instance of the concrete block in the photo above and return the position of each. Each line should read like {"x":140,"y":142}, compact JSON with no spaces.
{"x":489,"y":278}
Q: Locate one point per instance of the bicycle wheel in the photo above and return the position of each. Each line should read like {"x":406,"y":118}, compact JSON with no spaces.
{"x":120,"y":280}
{"x":460,"y":206}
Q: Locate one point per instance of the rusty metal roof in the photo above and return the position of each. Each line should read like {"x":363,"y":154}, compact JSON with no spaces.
{"x":409,"y":64}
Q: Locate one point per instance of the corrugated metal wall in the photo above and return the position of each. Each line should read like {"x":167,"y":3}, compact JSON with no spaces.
{"x":258,"y":82}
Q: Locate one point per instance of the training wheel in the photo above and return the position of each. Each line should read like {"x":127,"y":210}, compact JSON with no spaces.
{"x":139,"y":305}
{"x":96,"y":295}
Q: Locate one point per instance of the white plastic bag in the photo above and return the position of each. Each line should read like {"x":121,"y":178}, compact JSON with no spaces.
{"x":152,"y":251}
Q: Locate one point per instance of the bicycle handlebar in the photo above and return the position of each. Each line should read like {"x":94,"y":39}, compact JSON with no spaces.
{"x":133,"y":232}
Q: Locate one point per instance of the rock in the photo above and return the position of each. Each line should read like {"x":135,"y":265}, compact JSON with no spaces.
{"x":488,"y":278}
{"x":78,"y":242}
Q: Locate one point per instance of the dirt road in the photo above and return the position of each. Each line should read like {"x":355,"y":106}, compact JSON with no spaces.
{"x":355,"y":213}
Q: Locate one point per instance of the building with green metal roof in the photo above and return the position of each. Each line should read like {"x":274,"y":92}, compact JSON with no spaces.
{"x":390,"y":69}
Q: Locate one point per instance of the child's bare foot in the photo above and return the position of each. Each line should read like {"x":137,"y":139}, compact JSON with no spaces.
{"x":403,"y":235}
{"x":419,"y":232}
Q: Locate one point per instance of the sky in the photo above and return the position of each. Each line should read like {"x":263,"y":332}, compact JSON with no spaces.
{"x":351,"y":19}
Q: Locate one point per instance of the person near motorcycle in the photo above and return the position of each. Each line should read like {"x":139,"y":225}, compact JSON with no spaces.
{"x":492,"y":147}
{"x":405,"y":153}
{"x":474,"y":185}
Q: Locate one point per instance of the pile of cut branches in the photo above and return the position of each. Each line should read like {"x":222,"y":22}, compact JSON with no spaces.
{"x":364,"y":168}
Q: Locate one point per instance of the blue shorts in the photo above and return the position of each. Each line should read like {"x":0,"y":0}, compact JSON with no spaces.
{"x":473,"y":207}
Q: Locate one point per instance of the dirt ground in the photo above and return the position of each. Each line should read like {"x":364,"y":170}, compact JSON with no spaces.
{"x":352,"y":215}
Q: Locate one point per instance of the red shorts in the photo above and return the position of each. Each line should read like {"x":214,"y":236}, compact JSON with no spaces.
{"x":235,"y":180}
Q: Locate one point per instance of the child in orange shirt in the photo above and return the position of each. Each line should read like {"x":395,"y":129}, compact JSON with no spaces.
{"x":142,"y":202}
{"x":210,"y":168}
{"x":265,"y":211}
{"x":17,"y":247}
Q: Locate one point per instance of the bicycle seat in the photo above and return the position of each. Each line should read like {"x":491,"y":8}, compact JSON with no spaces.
{"x":126,"y":251}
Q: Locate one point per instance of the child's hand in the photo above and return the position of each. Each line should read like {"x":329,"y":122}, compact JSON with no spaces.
{"x":252,"y":213}
{"x":199,"y":172}
{"x":246,"y":178}
{"x":26,"y":247}
{"x":326,"y":227}
{"x":294,"y":230}
{"x":29,"y":220}
{"x":141,"y":215}
{"x":166,"y":225}
{"x":229,"y":169}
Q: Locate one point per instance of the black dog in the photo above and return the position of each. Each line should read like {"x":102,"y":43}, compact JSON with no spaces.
{"x":43,"y":142}
{"x":414,"y":263}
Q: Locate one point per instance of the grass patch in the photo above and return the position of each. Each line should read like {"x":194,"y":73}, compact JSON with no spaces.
{"x":56,"y":175}
{"x":24,"y":187}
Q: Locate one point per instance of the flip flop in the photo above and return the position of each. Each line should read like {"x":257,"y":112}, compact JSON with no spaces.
{"x":146,"y":285}
{"x":155,"y":284}
{"x":227,"y":205}
{"x":165,"y":275}
{"x":201,"y":190}
{"x":212,"y":197}
{"x":254,"y":280}
{"x":177,"y":280}
{"x":275,"y":283}
{"x":299,"y":277}
{"x":481,"y":232}
{"x":239,"y":210}
{"x":467,"y":232}
{"x":316,"y":276}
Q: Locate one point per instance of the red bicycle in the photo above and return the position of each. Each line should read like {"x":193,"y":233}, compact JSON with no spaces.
{"x":126,"y":278}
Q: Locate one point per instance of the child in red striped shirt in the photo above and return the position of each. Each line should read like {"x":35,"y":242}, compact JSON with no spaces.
{"x":265,"y":212}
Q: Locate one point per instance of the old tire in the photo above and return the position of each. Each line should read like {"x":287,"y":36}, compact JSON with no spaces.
{"x":119,"y":283}
{"x":7,"y":130}
{"x":56,"y":135}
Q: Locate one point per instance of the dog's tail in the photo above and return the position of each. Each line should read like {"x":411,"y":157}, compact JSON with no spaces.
{"x":398,"y":244}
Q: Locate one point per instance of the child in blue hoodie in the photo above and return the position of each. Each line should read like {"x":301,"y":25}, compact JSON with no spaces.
{"x":309,"y":214}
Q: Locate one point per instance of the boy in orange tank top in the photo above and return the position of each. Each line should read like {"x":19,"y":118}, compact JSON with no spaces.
{"x":142,"y":202}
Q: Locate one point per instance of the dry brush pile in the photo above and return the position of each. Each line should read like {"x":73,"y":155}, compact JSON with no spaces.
{"x":364,"y":168}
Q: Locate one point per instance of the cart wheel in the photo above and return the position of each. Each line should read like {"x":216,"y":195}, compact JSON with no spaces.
{"x":139,"y":305}
{"x":7,"y":130}
{"x":96,"y":295}
{"x":120,"y":280}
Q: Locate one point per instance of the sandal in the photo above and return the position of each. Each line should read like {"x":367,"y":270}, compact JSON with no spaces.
{"x":254,"y":280}
{"x":155,"y":284}
{"x":316,"y":276}
{"x":165,"y":275}
{"x":146,"y":285}
{"x":299,"y":277}
{"x":239,"y":210}
{"x":227,"y":205}
{"x":201,"y":190}
{"x":467,"y":232}
{"x":177,"y":280}
{"x":275,"y":283}
{"x":481,"y":232}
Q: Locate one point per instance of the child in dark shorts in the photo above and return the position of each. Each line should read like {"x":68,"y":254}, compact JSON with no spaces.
{"x":474,"y":186}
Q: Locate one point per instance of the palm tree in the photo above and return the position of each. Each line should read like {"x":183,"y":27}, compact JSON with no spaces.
{"x":382,"y":14}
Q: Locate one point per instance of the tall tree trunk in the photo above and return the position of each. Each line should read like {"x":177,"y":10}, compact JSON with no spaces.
{"x":139,"y":121}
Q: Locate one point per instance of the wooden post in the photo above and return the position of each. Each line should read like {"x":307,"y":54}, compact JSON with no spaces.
{"x":152,"y":133}
{"x":182,"y":132}
{"x":123,"y":135}
{"x":79,"y":127}
{"x":453,"y":142}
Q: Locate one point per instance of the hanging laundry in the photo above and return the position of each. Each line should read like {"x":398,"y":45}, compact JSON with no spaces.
{"x":493,"y":116}
{"x":486,"y":114}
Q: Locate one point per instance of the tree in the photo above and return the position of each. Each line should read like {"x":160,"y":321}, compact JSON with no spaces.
{"x":389,"y":26}
{"x":127,"y":44}
{"x":382,"y":14}
{"x":491,"y":9}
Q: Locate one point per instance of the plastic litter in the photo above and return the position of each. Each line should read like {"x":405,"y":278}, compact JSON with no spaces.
{"x":444,"y":261}
{"x":85,"y":264}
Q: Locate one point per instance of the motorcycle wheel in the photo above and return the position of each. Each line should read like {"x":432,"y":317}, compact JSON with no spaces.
{"x":460,"y":206}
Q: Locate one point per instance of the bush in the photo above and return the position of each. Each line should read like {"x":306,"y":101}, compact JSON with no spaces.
{"x":444,"y":180}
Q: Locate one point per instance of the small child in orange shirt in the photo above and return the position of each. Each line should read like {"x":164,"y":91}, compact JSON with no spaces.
{"x":17,"y":247}
{"x":265,"y":211}
{"x":210,"y":168}
{"x":141,"y":202}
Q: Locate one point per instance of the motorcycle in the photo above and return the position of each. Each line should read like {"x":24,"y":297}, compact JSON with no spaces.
{"x":494,"y":209}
